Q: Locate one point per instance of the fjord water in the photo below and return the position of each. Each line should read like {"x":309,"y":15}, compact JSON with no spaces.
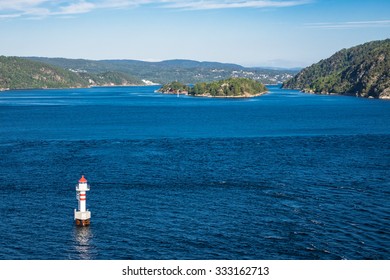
{"x":286,"y":175}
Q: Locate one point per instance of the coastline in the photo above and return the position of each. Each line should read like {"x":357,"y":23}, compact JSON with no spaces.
{"x":92,"y":86}
{"x":383,"y":97}
{"x":135,"y":85}
{"x":310,"y":91}
{"x":210,"y":96}
{"x":232,"y":96}
{"x":172,"y":93}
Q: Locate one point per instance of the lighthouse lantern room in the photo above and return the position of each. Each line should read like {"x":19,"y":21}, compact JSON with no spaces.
{"x":82,"y":216}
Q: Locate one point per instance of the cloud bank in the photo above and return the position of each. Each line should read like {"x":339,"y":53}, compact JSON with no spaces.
{"x":45,"y":8}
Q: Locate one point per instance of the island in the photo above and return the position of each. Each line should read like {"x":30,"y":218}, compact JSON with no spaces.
{"x":227,"y":88}
{"x":361,"y":71}
{"x":174,"y":88}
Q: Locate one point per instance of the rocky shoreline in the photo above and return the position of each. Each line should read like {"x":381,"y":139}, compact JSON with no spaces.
{"x":231,"y":96}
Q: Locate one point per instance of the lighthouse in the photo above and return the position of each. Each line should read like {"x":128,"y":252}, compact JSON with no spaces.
{"x":82,"y":216}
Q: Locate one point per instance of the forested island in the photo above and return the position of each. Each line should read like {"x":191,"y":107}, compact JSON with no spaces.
{"x":362,"y":71}
{"x":232,"y":87}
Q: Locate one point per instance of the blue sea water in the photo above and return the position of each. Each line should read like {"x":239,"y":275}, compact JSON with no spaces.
{"x":286,"y":175}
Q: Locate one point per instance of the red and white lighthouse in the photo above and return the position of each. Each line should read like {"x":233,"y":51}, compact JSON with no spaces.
{"x":82,"y":216}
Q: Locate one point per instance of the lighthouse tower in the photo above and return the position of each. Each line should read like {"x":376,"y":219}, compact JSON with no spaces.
{"x":82,"y":216}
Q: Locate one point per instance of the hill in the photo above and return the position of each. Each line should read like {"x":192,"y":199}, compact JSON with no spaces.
{"x":43,"y":72}
{"x":232,"y":87}
{"x":185,"y":71}
{"x":18,"y":73}
{"x":110,"y":78}
{"x":362,"y":71}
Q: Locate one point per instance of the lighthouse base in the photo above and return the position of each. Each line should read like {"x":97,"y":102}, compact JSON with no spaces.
{"x":83,"y":223}
{"x":82,"y":218}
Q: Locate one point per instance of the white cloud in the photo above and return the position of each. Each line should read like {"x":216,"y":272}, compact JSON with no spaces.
{"x":19,"y":4}
{"x":44,"y":8}
{"x":8,"y":16}
{"x":81,"y":7}
{"x":209,"y":5}
{"x":349,"y":24}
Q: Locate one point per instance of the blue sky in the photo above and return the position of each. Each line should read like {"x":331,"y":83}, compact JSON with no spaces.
{"x":279,"y":33}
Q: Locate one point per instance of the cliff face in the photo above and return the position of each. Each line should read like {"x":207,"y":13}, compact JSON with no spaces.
{"x":362,"y":71}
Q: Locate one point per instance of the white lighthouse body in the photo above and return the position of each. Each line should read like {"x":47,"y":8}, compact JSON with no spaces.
{"x":82,"y":216}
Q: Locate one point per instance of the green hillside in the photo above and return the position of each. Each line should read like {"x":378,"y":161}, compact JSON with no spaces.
{"x":18,"y":73}
{"x":362,"y":71}
{"x":185,"y":71}
{"x":110,"y":78}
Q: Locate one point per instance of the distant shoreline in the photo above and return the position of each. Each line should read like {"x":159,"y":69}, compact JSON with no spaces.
{"x":44,"y":88}
{"x":167,"y":93}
